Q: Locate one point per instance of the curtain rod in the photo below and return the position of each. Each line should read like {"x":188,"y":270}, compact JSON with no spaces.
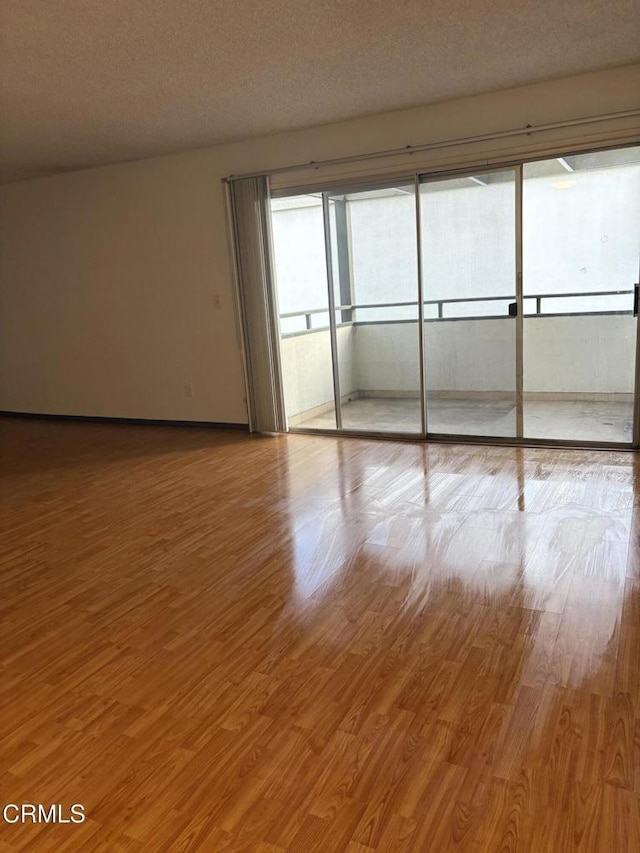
{"x":429,"y":146}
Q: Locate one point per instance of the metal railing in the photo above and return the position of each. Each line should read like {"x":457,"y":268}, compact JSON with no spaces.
{"x":441,"y":303}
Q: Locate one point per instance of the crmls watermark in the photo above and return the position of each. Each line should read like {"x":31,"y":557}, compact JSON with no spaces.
{"x":37,"y":813}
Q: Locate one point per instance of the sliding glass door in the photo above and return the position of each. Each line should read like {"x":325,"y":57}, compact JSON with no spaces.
{"x":581,"y":229}
{"x":347,"y":280}
{"x":498,"y":304}
{"x":303,"y":301}
{"x":468,"y":239}
{"x":375,"y":284}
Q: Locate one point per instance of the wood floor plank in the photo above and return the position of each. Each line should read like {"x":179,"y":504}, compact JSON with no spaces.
{"x":216,"y":641}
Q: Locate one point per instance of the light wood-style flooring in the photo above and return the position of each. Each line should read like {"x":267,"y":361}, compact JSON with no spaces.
{"x":218,"y":642}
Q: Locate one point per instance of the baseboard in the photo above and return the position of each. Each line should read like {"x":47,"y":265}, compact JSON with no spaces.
{"x":476,"y":396}
{"x":387,"y":395}
{"x":131,"y":421}
{"x":496,"y":396}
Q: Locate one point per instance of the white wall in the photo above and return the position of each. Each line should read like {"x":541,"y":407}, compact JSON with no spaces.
{"x":580,"y":354}
{"x":106,"y":296}
{"x":299,"y":258}
{"x":387,"y":357}
{"x":589,"y":354}
{"x":307,"y":369}
{"x":107,"y":276}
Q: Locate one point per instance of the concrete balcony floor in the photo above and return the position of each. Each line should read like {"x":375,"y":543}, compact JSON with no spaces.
{"x":575,"y":420}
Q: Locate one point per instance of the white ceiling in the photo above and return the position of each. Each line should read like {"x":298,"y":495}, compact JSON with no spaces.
{"x":86,"y":82}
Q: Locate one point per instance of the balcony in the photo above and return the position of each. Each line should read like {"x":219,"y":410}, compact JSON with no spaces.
{"x":578,"y":369}
{"x":353,"y":264}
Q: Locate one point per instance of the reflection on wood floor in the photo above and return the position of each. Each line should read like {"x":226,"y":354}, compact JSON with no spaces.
{"x":222,"y":642}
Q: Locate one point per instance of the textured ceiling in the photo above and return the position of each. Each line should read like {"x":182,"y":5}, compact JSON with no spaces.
{"x":86,"y":82}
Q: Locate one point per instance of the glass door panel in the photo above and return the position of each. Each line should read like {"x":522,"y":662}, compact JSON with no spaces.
{"x":375,"y":287}
{"x":468,"y":240}
{"x":301,"y":283}
{"x":581,"y":249}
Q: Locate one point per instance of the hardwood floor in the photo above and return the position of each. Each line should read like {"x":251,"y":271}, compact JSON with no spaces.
{"x":218,"y":642}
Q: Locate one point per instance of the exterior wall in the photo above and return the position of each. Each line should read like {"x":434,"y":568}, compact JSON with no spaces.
{"x":580,"y":354}
{"x":585,"y":236}
{"x":387,"y":357}
{"x":308,"y":373}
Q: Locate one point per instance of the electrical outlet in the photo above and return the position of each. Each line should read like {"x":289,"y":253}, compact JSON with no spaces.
{"x":216,"y":301}
{"x":188,"y":389}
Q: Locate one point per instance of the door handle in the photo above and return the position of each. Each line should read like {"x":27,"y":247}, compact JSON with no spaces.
{"x":513,"y":309}
{"x":636,"y":288}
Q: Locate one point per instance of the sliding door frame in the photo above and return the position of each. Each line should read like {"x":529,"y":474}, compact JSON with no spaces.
{"x":424,"y":416}
{"x":343,"y":189}
{"x":519,"y":341}
{"x":333,"y":331}
{"x":636,"y":397}
{"x":416,"y":178}
{"x":518,"y":396}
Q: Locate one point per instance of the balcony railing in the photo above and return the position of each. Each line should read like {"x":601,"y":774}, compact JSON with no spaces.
{"x":442,"y":304}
